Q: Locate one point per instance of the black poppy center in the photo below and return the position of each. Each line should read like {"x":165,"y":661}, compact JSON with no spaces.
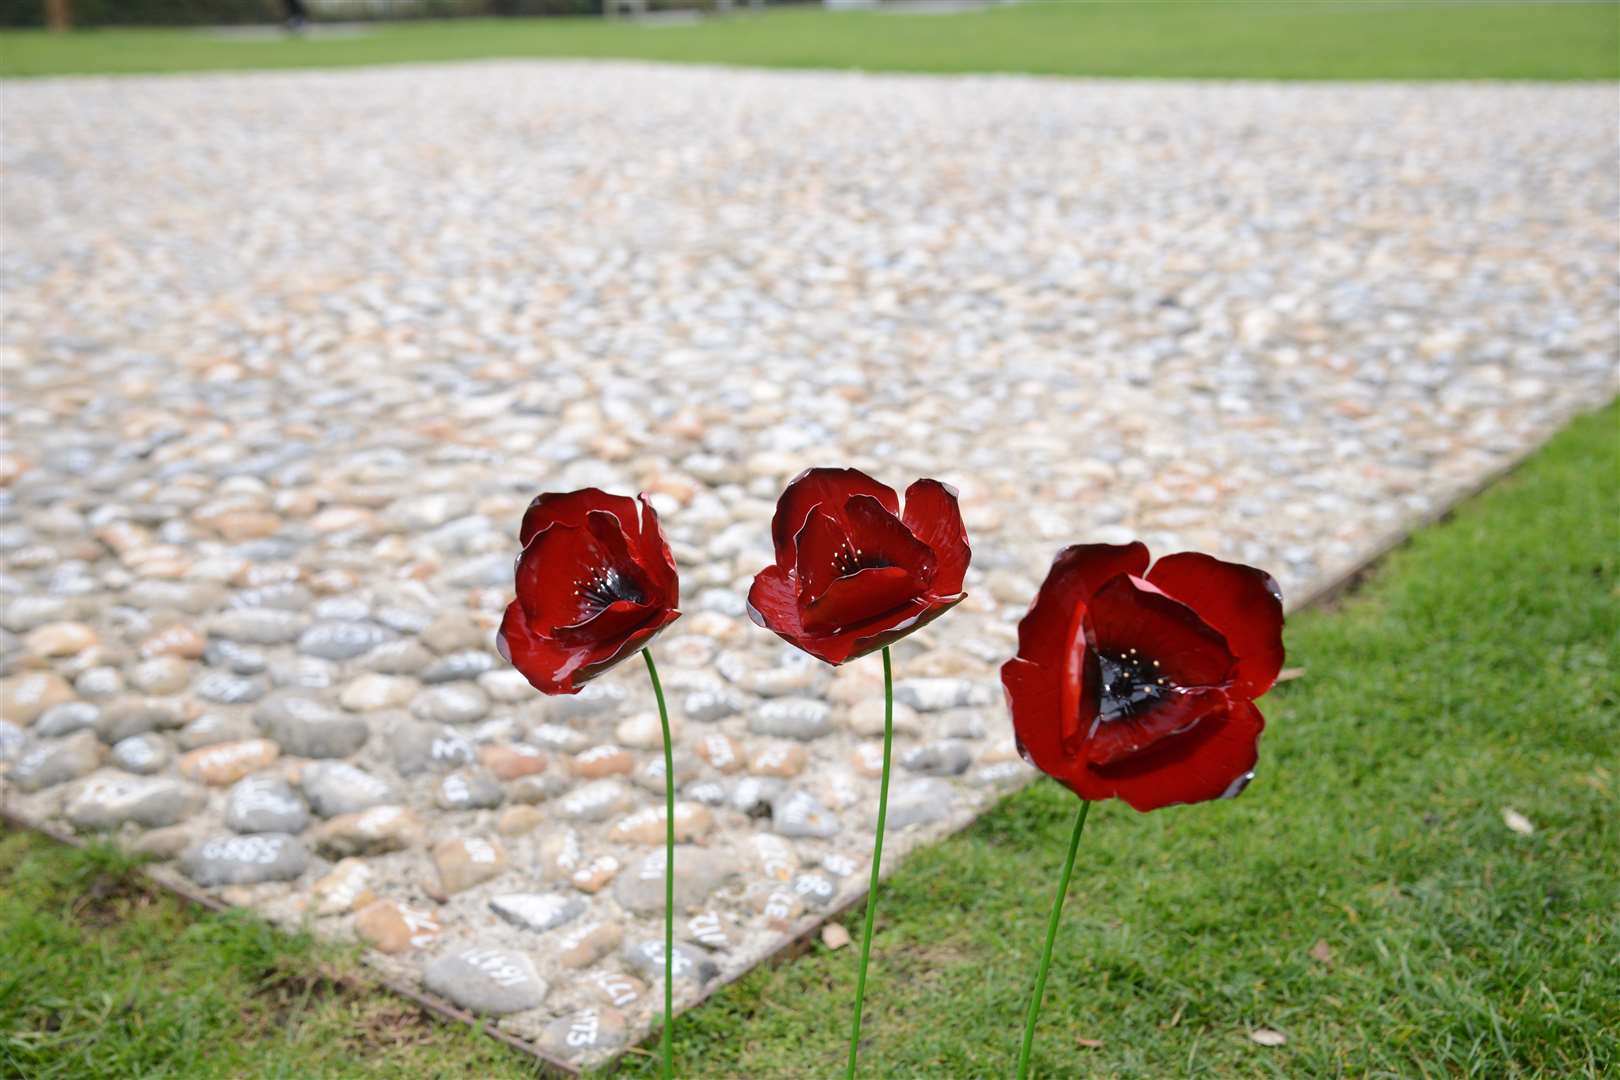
{"x":1131,"y":685}
{"x":849,"y":559}
{"x":608,"y":587}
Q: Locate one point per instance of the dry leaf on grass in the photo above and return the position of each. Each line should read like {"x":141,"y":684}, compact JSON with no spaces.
{"x":1322,"y":952}
{"x":834,"y":936}
{"x":1268,"y":1037}
{"x":1517,"y":821}
{"x":1089,"y":1044}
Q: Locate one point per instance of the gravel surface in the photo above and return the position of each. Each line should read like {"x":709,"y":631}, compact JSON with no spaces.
{"x":286,"y":355}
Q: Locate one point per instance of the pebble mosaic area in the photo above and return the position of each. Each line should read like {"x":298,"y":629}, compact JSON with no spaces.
{"x":286,"y":355}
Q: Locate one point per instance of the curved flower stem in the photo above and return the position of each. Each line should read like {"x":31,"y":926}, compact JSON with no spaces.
{"x":1051,"y":936}
{"x":877,"y":861}
{"x":665,"y":1045}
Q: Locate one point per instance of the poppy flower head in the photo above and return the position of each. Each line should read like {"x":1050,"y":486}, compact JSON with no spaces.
{"x":852,"y":572}
{"x":595,"y":582}
{"x":1139,"y":684}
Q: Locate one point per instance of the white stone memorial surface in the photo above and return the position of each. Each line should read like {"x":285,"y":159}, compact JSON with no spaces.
{"x":286,"y":355}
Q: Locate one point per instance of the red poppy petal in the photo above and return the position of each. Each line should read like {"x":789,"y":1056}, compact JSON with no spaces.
{"x":853,"y":601}
{"x":1214,"y":760}
{"x":882,"y":539}
{"x":554,"y":565}
{"x":1042,"y":725}
{"x":829,"y":488}
{"x":934,"y":517}
{"x":1243,"y":603}
{"x":570,"y":507}
{"x":1128,"y":613}
{"x":1048,"y":631}
{"x":610,"y":624}
{"x":825,"y":552}
{"x":654,"y":557}
{"x":1113,"y":741}
{"x":773,"y":602}
{"x":610,"y":653}
{"x":549,"y":665}
{"x":852,"y":644}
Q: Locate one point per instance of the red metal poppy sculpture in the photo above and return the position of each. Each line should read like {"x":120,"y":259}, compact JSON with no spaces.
{"x":595,"y":582}
{"x":1140,"y":684}
{"x":854,"y":573}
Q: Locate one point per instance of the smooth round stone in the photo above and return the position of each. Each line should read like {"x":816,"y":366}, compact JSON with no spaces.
{"x":392,"y":927}
{"x":711,"y":705}
{"x":506,"y":685}
{"x":284,"y":596}
{"x":257,"y":625}
{"x":306,"y":726}
{"x":463,"y":862}
{"x":596,"y":801}
{"x":816,"y":890}
{"x":60,"y":639}
{"x":244,"y":860}
{"x":467,"y":664}
{"x":454,"y":704}
{"x":341,"y":609}
{"x":161,"y":675}
{"x":646,"y":956}
{"x":944,"y":758}
{"x":24,"y":698}
{"x":419,"y":747}
{"x":485,"y":980}
{"x":537,"y":911}
{"x":798,"y":814}
{"x":226,"y":763}
{"x":99,"y":683}
{"x":336,"y":787}
{"x":593,"y":699}
{"x":936,"y":694}
{"x":124,"y":717}
{"x":239,"y":659}
{"x":468,"y":789}
{"x":343,"y":640}
{"x":918,"y":802}
{"x":265,"y":804}
{"x":57,"y":761}
{"x":303,"y":673}
{"x":792,"y":718}
{"x":404,"y":657}
{"x":226,"y":688}
{"x":142,"y":754}
{"x":12,"y":741}
{"x":24,"y":613}
{"x":66,"y":718}
{"x":589,"y":1031}
{"x":215,"y":727}
{"x":107,"y":801}
{"x":453,"y":631}
{"x":374,"y":831}
{"x":373,"y":691}
{"x":698,"y":873}
{"x":559,"y":737}
{"x":403,"y":620}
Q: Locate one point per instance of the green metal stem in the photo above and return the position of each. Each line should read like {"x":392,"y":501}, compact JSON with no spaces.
{"x":665,"y":1045}
{"x":877,"y":862}
{"x":1051,"y":937}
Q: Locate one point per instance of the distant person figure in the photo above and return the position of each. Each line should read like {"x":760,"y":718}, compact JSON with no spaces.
{"x":297,"y":15}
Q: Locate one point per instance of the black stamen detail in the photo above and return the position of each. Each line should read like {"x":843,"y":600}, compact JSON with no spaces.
{"x":1131,"y":685}
{"x":608,"y":587}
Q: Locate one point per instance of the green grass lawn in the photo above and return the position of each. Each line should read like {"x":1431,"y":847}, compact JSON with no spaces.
{"x":1282,"y":39}
{"x":1364,"y":897}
